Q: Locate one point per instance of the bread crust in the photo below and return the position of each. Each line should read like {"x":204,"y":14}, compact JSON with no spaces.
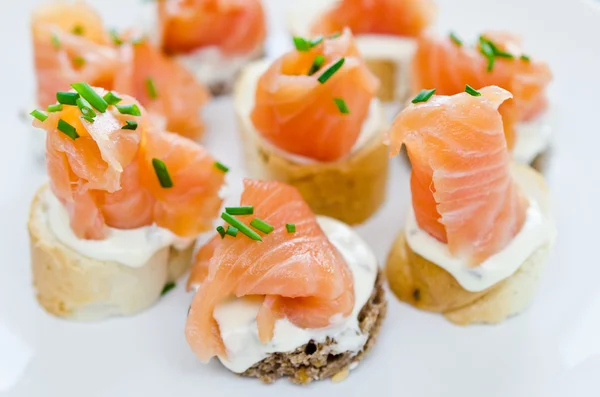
{"x":313,"y":361}
{"x":76,"y":287}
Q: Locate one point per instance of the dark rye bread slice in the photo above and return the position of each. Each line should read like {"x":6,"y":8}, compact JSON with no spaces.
{"x":313,"y":361}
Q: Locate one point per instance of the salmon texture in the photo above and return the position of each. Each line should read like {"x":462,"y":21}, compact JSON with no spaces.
{"x":301,"y":275}
{"x":462,"y":191}
{"x":442,"y":64}
{"x":163,"y":86}
{"x":105,"y":176}
{"x":298,"y":113}
{"x":393,"y":17}
{"x":234,"y":26}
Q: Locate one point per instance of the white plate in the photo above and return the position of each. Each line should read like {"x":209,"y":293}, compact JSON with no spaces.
{"x":551,"y":350}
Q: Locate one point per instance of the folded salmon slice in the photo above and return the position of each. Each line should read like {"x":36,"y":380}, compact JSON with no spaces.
{"x":393,"y":17}
{"x":298,"y":113}
{"x":163,"y":86}
{"x":105,"y":176}
{"x":301,"y":275}
{"x":462,"y":191}
{"x":70,"y":44}
{"x":234,"y":26}
{"x":442,"y":64}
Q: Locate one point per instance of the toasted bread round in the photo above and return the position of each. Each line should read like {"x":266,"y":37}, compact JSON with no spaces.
{"x":76,"y":287}
{"x":313,"y":361}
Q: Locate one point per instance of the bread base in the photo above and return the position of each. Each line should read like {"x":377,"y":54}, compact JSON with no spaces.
{"x":387,"y":72}
{"x":313,"y":361}
{"x":426,"y":286}
{"x":75,"y":287}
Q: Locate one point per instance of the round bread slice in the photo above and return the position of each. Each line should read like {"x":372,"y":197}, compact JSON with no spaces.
{"x":76,"y":287}
{"x":313,"y":361}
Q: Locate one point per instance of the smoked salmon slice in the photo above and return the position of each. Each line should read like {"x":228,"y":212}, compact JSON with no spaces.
{"x":70,"y":44}
{"x":448,"y":64}
{"x":163,"y":86}
{"x":462,"y":191}
{"x":102,"y":170}
{"x":394,"y":17}
{"x":234,"y":26}
{"x":297,"y":104}
{"x":301,"y":274}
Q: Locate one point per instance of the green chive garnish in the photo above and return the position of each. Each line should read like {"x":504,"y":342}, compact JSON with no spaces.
{"x":341,"y":104}
{"x":111,"y":98}
{"x":151,"y":88}
{"x":232,"y":231}
{"x":88,"y":119}
{"x":67,"y":129}
{"x":261,"y":225}
{"x":291,"y":228}
{"x":114,"y":35}
{"x":525,"y":58}
{"x":85,"y":108}
{"x":316,"y":41}
{"x":488,"y":51}
{"x":168,"y":287}
{"x":221,"y":231}
{"x":423,"y":96}
{"x":455,"y":39}
{"x":162,"y":173}
{"x":78,"y":30}
{"x":132,"y":110}
{"x":41,"y":116}
{"x":317,"y":64}
{"x":301,"y":44}
{"x":57,"y":107}
{"x":131,"y":125}
{"x":55,"y":41}
{"x":87,"y":92}
{"x":244,"y":210}
{"x":335,"y":35}
{"x":221,"y":167}
{"x":472,"y":91}
{"x":242,"y":227}
{"x":67,"y":98}
{"x":331,"y":71}
{"x":78,"y":61}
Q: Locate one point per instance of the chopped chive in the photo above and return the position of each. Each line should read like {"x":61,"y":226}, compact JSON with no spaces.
{"x":85,"y":108}
{"x":88,"y":119}
{"x":55,"y":41}
{"x":151,"y":88}
{"x":301,"y":44}
{"x":455,"y":39}
{"x":316,"y":65}
{"x":130,"y":125}
{"x":472,"y":91}
{"x":221,"y":231}
{"x":221,"y":167}
{"x":243,"y":210}
{"x":132,"y":109}
{"x":335,"y":35}
{"x":114,"y":35}
{"x":423,"y":96}
{"x":87,"y":92}
{"x":261,"y":225}
{"x":67,"y":98}
{"x":162,"y":173}
{"x":242,"y":227}
{"x":487,"y":50}
{"x":111,"y":98}
{"x":341,"y":104}
{"x":67,"y":129}
{"x":78,"y":30}
{"x":168,"y":287}
{"x":57,"y":107}
{"x":41,"y":116}
{"x":291,"y":228}
{"x":525,"y":58}
{"x":78,"y":61}
{"x":503,"y":54}
{"x":316,"y":41}
{"x":232,"y":231}
{"x":331,"y":71}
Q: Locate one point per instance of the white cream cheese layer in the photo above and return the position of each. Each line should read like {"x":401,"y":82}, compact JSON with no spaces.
{"x":131,"y":248}
{"x":534,"y":137}
{"x":237,"y":317}
{"x":539,"y":229}
{"x":244,"y":100}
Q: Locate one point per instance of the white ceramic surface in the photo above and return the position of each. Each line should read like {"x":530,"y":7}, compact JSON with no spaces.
{"x":551,"y":350}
